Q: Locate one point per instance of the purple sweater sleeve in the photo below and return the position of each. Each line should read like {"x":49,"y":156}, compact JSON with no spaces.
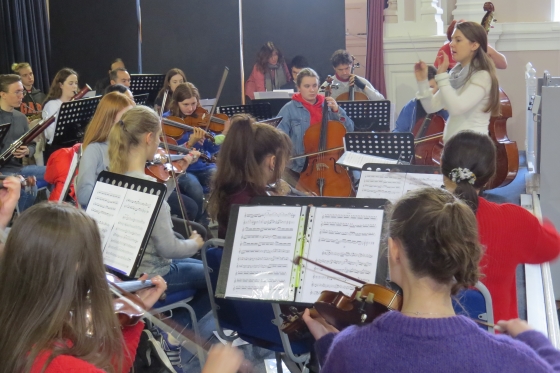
{"x":542,"y":346}
{"x":331,"y":354}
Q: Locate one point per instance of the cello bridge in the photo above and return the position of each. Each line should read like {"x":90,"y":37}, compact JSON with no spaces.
{"x":321,"y":166}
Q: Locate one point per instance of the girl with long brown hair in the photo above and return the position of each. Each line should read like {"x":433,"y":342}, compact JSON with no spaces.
{"x":253,"y":156}
{"x":434,"y":252}
{"x":270,"y":71}
{"x":173,"y":78}
{"x":470,"y":91}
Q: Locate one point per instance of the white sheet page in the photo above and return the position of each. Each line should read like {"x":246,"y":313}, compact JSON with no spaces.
{"x":103,"y":205}
{"x":418,"y":181}
{"x":130,"y":228}
{"x":388,"y":185}
{"x":358,"y":160}
{"x":346,"y":240}
{"x":263,"y":253}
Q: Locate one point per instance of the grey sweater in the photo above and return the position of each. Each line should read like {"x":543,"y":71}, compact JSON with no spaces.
{"x":18,"y":128}
{"x":94,"y":160}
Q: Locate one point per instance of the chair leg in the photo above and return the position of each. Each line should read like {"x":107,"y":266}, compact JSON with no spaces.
{"x":278,"y":356}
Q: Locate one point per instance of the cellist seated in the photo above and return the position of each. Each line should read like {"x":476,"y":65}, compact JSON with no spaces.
{"x":413,"y":110}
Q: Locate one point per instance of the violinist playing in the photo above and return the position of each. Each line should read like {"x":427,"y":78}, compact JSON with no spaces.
{"x":185,"y":103}
{"x":305,"y":110}
{"x":434,"y":252}
{"x":413,"y":110}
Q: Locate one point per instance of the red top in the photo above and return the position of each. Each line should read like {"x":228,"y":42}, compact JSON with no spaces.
{"x":445,"y":49}
{"x":511,"y":236}
{"x":315,"y":110}
{"x":71,"y":364}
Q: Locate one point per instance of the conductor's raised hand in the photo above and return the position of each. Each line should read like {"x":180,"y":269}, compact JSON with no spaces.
{"x":9,"y":197}
{"x":421,"y":71}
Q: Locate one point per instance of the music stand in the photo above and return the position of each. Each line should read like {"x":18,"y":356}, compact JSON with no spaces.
{"x":275,"y":103}
{"x":369,"y":115}
{"x":3,"y":131}
{"x":394,"y":145}
{"x":147,"y":83}
{"x":141,"y":99}
{"x":72,"y":120}
{"x":274,"y":122}
{"x":259,"y":111}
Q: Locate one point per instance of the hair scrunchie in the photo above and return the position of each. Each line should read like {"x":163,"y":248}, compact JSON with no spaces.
{"x":462,"y":174}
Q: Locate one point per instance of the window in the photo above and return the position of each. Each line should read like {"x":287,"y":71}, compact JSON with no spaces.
{"x":556,"y":11}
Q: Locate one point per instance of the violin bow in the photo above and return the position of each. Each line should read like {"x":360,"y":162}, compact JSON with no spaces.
{"x":188,"y":227}
{"x":222,"y":82}
{"x":316,"y":153}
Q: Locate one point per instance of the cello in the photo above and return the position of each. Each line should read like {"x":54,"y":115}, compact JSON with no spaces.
{"x":507,"y":154}
{"x":351,"y":95}
{"x":322,"y":175}
{"x":428,"y":143}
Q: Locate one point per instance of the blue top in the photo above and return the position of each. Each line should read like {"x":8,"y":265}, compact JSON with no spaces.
{"x":407,"y":116}
{"x":207,"y":147}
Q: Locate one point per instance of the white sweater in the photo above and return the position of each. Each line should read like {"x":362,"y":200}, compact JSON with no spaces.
{"x":465,"y":105}
{"x":50,"y":108}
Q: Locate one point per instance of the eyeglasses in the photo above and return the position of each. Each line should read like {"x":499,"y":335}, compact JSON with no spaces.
{"x":19,"y":93}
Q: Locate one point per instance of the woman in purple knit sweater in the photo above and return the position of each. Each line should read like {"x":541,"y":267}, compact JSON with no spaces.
{"x":433,"y":253}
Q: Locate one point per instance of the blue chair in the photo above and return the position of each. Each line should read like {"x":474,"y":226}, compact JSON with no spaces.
{"x":477,"y":304}
{"x":255,"y":322}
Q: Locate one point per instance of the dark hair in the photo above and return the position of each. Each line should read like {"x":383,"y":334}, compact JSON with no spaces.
{"x":114,"y":74}
{"x":341,"y":57}
{"x":299,"y":62}
{"x":475,"y":152}
{"x":182,"y":92}
{"x":307,"y":71}
{"x":244,"y":149}
{"x":7,"y":80}
{"x":170,"y":74}
{"x":55,"y":91}
{"x":265,"y":53}
{"x":116,"y":88}
{"x":439,"y":235}
{"x":432,"y":72}
{"x":54,"y":293}
{"x":474,"y":32}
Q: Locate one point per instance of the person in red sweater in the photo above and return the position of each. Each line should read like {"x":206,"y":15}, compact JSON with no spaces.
{"x":511,"y":234}
{"x":57,"y":312}
{"x":252,"y":156}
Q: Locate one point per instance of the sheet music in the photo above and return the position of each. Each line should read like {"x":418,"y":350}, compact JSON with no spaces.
{"x":416,"y":181}
{"x":375,"y":184}
{"x":346,"y":240}
{"x":105,"y":200}
{"x":132,"y":221}
{"x":358,"y":160}
{"x":263,"y":253}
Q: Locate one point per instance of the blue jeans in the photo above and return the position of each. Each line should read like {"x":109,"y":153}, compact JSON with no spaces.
{"x":185,"y":273}
{"x":193,"y":185}
{"x":190,"y":205}
{"x":27,"y":198}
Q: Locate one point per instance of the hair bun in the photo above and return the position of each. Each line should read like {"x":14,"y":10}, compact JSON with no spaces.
{"x":15,"y":66}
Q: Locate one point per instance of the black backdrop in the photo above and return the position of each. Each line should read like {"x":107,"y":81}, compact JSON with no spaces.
{"x":198,"y":36}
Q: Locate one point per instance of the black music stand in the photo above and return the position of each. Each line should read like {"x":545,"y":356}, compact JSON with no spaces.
{"x":274,"y":122}
{"x":71,"y":122}
{"x":147,"y":83}
{"x":259,"y":111}
{"x":141,"y":99}
{"x":394,"y":145}
{"x":275,"y":103}
{"x":403,"y":168}
{"x":369,"y":115}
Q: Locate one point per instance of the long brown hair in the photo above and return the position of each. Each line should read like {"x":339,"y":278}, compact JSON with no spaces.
{"x":182,"y":92}
{"x":439,"y":234}
{"x":474,"y":32}
{"x":53,"y":279}
{"x":475,"y":152}
{"x":170,"y":74}
{"x":55,"y":91}
{"x":265,"y":53}
{"x":104,"y":118}
{"x":127,"y":133}
{"x":244,"y":149}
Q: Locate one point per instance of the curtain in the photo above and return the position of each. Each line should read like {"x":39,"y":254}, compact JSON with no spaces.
{"x":24,"y":37}
{"x":375,"y":69}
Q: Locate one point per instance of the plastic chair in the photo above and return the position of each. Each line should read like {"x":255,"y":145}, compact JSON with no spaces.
{"x":476,"y":303}
{"x":255,"y":322}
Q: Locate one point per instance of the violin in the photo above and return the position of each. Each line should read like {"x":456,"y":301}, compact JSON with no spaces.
{"x":176,"y":127}
{"x":351,"y":95}
{"x":283,"y":189}
{"x":164,"y":165}
{"x":364,"y":305}
{"x":175,"y":149}
{"x":199,"y":118}
{"x":128,"y":314}
{"x":25,"y":181}
{"x":322,"y":175}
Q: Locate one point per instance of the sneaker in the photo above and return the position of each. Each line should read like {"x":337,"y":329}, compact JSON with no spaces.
{"x":172,"y":349}
{"x":150,"y":357}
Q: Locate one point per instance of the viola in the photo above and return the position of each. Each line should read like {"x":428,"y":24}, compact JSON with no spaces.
{"x":364,"y":305}
{"x":352,"y":95}
{"x":322,"y":175}
{"x":176,"y":127}
{"x":200,"y":119}
{"x":164,"y":165}
{"x":171,"y":144}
